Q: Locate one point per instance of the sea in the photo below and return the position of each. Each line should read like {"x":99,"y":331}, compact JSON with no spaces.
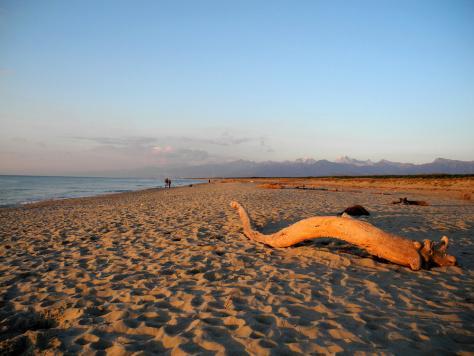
{"x":19,"y":190}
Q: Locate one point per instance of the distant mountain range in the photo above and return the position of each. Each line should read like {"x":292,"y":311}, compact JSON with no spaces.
{"x":310,"y":167}
{"x":344,"y":166}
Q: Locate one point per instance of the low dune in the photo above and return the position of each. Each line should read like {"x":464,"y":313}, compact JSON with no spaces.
{"x":170,"y":271}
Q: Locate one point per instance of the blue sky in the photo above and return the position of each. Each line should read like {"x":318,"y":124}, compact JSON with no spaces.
{"x":87,"y":85}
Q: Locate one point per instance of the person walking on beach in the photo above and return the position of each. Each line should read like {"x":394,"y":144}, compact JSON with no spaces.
{"x":167,"y":183}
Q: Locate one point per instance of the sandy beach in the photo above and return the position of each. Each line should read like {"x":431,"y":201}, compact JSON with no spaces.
{"x":169,"y":271}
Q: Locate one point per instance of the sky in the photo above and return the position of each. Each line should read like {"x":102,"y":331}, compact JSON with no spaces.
{"x":117,"y":85}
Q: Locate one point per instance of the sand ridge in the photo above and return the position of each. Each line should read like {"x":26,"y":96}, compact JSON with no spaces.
{"x":169,"y":271}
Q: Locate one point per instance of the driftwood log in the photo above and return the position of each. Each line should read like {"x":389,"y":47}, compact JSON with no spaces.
{"x":390,"y":247}
{"x":405,"y":201}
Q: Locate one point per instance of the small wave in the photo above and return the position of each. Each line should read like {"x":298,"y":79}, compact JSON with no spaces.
{"x":11,"y":205}
{"x":26,"y":202}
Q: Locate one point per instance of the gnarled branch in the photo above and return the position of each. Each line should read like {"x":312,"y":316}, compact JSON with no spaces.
{"x":377,"y":242}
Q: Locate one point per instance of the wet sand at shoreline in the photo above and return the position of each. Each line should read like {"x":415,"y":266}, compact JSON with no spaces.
{"x":169,"y":271}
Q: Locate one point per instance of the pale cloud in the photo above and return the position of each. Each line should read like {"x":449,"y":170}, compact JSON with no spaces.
{"x":265,"y":146}
{"x":19,"y":140}
{"x":189,"y":155}
{"x":77,"y":154}
{"x":119,"y":141}
{"x":225,"y":139}
{"x":180,"y":157}
{"x":151,"y":151}
{"x":142,"y":145}
{"x":161,"y":150}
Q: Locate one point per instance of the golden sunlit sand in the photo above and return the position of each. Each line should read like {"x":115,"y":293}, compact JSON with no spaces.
{"x":170,"y":271}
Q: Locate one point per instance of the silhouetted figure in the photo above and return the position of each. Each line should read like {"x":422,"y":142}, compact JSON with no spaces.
{"x":167,"y":183}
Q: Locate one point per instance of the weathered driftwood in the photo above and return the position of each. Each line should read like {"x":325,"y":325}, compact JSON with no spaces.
{"x":405,"y":201}
{"x":379,"y":243}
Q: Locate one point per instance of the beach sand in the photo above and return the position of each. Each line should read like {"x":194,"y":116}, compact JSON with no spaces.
{"x":169,"y":271}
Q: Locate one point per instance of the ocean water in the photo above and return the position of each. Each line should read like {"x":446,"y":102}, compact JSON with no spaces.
{"x":17,"y":190}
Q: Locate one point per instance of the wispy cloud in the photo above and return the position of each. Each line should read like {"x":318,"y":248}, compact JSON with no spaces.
{"x":153,"y":150}
{"x":161,"y":150}
{"x":225,"y":139}
{"x":265,"y":146}
{"x":172,"y":151}
{"x":119,"y":141}
{"x":183,"y":154}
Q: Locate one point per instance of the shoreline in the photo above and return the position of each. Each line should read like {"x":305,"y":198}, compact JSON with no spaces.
{"x":52,"y":202}
{"x":102,"y":194}
{"x":460,"y":187}
{"x":329,"y":185}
